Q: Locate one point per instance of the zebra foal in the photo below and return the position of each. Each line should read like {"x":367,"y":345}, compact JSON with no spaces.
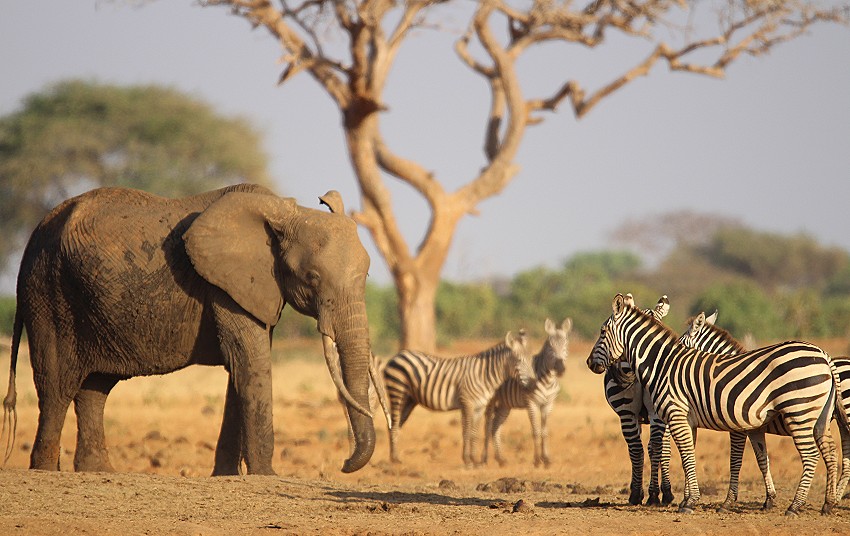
{"x":689,"y":388}
{"x":466,"y":383}
{"x":549,"y":364}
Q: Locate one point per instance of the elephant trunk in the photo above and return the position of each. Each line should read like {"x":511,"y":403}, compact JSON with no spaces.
{"x":353,"y":356}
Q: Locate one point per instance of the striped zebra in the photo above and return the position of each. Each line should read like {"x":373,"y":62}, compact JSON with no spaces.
{"x":690,"y":388}
{"x":703,"y":333}
{"x":466,"y":383}
{"x":628,"y":402}
{"x":549,"y":364}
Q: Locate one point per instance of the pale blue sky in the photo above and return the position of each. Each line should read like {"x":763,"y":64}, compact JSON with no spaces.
{"x":769,"y":145}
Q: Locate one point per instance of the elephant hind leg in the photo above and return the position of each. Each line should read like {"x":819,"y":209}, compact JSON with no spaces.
{"x":56,"y":383}
{"x":91,"y":453}
{"x":51,"y":417}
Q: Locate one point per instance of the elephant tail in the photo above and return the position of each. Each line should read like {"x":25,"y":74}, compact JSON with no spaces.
{"x":10,"y":414}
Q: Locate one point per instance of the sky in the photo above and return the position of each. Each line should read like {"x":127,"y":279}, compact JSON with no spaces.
{"x":769,"y":145}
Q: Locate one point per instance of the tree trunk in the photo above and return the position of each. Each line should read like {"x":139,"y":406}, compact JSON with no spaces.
{"x":416,"y":300}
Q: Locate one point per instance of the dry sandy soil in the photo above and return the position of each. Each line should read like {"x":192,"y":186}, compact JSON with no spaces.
{"x":162,"y":432}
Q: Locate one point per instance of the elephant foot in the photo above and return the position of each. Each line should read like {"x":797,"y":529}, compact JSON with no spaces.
{"x":225,"y":471}
{"x":93,"y":462}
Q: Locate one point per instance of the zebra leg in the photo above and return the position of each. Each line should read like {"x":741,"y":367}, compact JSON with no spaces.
{"x":544,"y":433}
{"x":826,"y":446}
{"x":488,"y":431}
{"x":657,"y":429}
{"x":760,"y":450}
{"x":737,"y":442}
{"x":845,"y":463}
{"x":500,"y":415}
{"x":804,"y":440}
{"x":630,"y":428}
{"x":536,"y":432}
{"x":682,"y":434}
{"x":470,"y":419}
{"x":666,"y":488}
{"x":400,"y":409}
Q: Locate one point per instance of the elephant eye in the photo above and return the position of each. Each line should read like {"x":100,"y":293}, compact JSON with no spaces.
{"x":313,"y":278}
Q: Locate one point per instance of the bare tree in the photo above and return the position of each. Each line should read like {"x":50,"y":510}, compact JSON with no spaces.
{"x":498,"y":35}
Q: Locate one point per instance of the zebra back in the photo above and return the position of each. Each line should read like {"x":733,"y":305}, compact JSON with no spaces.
{"x":437,"y":382}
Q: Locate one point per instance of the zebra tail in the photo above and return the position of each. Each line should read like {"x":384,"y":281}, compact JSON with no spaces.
{"x":10,"y":414}
{"x":840,"y":412}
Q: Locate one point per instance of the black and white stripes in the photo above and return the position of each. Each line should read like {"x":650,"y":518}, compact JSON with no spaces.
{"x":466,"y":383}
{"x":792,"y":381}
{"x":549,"y":364}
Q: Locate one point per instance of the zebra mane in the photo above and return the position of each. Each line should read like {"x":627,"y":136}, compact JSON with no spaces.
{"x":648,"y":314}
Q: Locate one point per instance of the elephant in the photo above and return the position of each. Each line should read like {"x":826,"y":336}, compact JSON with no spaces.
{"x":117,"y":283}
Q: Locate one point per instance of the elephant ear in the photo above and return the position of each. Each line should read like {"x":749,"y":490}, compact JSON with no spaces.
{"x":231,"y":246}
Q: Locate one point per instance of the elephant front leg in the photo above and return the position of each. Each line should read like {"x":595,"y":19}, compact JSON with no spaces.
{"x":228,"y":450}
{"x":91,"y":453}
{"x":246,"y":428}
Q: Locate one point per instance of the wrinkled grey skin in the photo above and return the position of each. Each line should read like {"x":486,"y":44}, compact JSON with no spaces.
{"x":117,"y":283}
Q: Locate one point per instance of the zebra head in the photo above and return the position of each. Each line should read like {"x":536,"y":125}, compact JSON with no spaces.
{"x":702,"y":333}
{"x":518,"y":366}
{"x":553,"y":356}
{"x":610,"y":346}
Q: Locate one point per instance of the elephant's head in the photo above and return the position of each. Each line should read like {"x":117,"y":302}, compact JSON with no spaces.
{"x":266,"y":251}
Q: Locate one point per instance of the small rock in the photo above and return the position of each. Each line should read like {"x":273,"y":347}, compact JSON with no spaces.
{"x":447,"y":484}
{"x":522,"y":507}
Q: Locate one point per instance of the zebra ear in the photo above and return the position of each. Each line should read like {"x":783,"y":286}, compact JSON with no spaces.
{"x":549,"y":327}
{"x":618,"y":304}
{"x":629,"y":299}
{"x":697,"y":324}
{"x":711,"y":319}
{"x":515,"y":343}
{"x":567,"y":325}
{"x":662,"y":307}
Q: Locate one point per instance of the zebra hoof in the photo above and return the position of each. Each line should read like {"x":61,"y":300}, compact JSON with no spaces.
{"x":791,"y":513}
{"x":686,"y":510}
{"x":653,"y":501}
{"x":723,"y":509}
{"x":666,"y":498}
{"x":826,"y":510}
{"x":767,"y":506}
{"x":636,"y":497}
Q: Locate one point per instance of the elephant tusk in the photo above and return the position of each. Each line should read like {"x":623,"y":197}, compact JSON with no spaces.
{"x":378,"y":382}
{"x":332,"y":359}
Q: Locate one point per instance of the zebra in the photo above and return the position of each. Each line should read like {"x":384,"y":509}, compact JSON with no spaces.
{"x":704,"y":334}
{"x":549,"y":364}
{"x":441,"y":384}
{"x":628,"y":402}
{"x":690,"y":388}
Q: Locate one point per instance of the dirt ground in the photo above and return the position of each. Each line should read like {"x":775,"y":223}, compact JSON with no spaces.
{"x":162,"y":432}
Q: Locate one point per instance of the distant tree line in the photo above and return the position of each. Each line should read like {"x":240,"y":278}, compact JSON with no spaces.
{"x":771,"y":286}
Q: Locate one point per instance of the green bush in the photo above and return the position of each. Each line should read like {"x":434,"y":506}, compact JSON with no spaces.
{"x":743,"y":307}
